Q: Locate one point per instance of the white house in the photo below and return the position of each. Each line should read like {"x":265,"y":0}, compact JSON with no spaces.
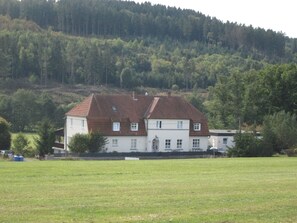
{"x":140,"y":124}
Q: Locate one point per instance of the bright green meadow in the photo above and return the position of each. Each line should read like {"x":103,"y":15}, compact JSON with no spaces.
{"x":192,"y":190}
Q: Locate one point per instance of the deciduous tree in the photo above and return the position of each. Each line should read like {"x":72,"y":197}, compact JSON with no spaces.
{"x":5,"y":137}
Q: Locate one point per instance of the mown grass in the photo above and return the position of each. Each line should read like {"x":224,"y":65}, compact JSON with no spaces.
{"x":198,"y":190}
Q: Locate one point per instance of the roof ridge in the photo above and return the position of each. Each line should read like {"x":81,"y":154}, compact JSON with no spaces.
{"x":90,"y":104}
{"x":152,"y":106}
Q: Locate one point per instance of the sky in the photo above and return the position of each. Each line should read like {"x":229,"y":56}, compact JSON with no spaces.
{"x":278,"y":15}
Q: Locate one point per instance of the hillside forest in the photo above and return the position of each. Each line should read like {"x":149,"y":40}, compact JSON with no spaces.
{"x":235,"y":74}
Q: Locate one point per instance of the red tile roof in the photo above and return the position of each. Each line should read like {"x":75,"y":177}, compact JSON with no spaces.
{"x":102,"y":110}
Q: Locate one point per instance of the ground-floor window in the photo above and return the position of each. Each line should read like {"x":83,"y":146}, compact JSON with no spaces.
{"x":114,"y":143}
{"x":179,"y":143}
{"x":167,"y":144}
{"x":133,"y":144}
{"x":225,"y":141}
{"x":196,"y":143}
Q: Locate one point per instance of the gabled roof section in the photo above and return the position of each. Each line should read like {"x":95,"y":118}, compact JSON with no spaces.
{"x":115,"y":107}
{"x":84,"y":108}
{"x":170,"y":107}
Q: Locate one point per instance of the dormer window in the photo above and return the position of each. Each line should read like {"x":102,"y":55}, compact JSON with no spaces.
{"x":134,"y":126}
{"x":116,"y":126}
{"x":197,"y":127}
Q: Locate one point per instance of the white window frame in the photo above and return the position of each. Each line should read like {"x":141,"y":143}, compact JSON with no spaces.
{"x":114,"y":142}
{"x":179,"y":124}
{"x":134,"y":126}
{"x":71,"y":122}
{"x":158,"y":124}
{"x":196,"y":143}
{"x":82,"y":123}
{"x":179,"y":144}
{"x":167,"y":143}
{"x":116,"y":126}
{"x":133,"y":144}
{"x":197,"y":126}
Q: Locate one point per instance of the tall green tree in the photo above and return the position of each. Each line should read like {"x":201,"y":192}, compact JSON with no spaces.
{"x":280,"y":131}
{"x":5,"y":136}
{"x":45,"y":139}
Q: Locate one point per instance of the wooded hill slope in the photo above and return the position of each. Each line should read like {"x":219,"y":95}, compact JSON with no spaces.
{"x":249,"y":72}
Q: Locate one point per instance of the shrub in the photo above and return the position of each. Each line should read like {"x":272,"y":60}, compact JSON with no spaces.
{"x":291,"y":152}
{"x":93,"y":142}
{"x":79,"y":143}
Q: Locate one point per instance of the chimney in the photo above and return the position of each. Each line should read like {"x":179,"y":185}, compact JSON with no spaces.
{"x":133,"y":96}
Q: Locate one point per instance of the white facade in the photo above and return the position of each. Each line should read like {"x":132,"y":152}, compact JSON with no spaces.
{"x":126,"y":144}
{"x":172,"y":135}
{"x":73,"y":126}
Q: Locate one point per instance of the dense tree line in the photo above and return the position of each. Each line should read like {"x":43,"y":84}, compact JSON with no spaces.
{"x":25,"y":109}
{"x":26,"y":51}
{"x":127,"y":19}
{"x":249,"y":97}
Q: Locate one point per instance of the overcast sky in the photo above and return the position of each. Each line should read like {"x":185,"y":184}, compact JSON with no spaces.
{"x":278,"y":15}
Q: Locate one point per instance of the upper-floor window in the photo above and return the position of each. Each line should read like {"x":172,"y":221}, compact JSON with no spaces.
{"x":167,"y":144}
{"x":134,"y":126}
{"x":158,"y":124}
{"x":116,"y":126}
{"x":197,"y":126}
{"x":71,"y":122}
{"x":179,"y":124}
{"x":82,"y":123}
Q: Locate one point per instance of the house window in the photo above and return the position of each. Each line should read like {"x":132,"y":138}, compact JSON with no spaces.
{"x":179,"y":124}
{"x":167,"y":144}
{"x":179,"y":143}
{"x":114,"y":143}
{"x":71,"y":122}
{"x":225,"y":141}
{"x":133,"y":144}
{"x":196,"y":143}
{"x":134,"y":126}
{"x":82,"y":123}
{"x":116,"y":126}
{"x":159,"y":124}
{"x":197,"y":126}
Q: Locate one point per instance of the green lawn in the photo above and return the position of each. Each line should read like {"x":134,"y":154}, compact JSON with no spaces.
{"x":197,"y":190}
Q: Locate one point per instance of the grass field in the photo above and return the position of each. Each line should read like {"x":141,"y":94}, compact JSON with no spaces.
{"x":197,"y":190}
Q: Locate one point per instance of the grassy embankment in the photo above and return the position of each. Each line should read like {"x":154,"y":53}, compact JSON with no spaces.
{"x":198,"y":190}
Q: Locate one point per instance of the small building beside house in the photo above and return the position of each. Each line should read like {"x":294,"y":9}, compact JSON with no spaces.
{"x":222,"y":139}
{"x":140,"y":123}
